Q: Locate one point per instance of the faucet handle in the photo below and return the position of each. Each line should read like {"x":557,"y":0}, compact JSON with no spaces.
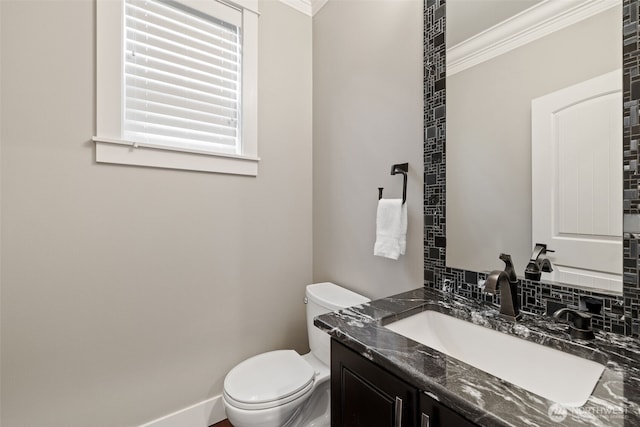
{"x":508,"y":267}
{"x":539,"y":250}
{"x":542,"y":247}
{"x":580,"y":326}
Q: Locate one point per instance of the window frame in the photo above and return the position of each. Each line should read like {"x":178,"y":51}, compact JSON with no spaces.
{"x":111,"y":147}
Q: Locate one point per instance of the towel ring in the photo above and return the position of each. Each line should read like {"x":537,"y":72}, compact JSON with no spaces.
{"x":402,"y":168}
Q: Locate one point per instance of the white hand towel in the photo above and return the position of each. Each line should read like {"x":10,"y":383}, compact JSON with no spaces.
{"x":403,"y":229}
{"x":391,"y":228}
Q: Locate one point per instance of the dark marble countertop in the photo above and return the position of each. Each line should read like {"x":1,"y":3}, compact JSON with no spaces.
{"x":477,"y":395}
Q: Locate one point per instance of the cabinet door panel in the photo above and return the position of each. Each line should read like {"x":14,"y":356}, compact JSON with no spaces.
{"x":366,"y":406}
{"x":365,"y":395}
{"x":433,"y":414}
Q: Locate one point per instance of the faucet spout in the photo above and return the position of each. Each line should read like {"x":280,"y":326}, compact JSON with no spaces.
{"x":545,"y":266}
{"x":509,"y":303}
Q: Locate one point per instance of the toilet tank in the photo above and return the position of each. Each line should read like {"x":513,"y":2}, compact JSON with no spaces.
{"x":324,"y":298}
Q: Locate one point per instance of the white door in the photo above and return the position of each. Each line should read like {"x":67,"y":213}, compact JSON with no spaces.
{"x":577,"y":181}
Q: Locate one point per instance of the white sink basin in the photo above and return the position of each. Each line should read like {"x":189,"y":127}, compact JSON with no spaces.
{"x":555,"y":375}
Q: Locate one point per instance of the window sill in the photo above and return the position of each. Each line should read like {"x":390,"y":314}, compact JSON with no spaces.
{"x":126,"y":153}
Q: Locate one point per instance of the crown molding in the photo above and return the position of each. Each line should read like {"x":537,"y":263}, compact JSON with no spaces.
{"x":538,"y":21}
{"x":303,"y":6}
{"x":316,"y":5}
{"x":308,"y":7}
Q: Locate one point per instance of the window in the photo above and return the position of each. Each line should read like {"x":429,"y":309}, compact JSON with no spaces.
{"x":176,"y":85}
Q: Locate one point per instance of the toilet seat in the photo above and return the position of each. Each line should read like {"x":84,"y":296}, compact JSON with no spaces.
{"x":268,"y":405}
{"x":268,"y":380}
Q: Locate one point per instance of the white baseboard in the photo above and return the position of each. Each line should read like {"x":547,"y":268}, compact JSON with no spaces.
{"x":201,"y":414}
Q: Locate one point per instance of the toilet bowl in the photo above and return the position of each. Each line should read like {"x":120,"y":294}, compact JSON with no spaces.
{"x":282,"y":388}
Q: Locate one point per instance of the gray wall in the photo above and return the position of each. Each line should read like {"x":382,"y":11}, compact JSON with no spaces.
{"x":489,"y":137}
{"x":128,"y":293}
{"x":367,"y":115}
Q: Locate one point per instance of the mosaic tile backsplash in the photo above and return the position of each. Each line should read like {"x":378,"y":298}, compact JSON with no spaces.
{"x":619,"y":314}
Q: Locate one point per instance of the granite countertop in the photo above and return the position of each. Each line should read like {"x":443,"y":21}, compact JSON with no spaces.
{"x":477,"y":395}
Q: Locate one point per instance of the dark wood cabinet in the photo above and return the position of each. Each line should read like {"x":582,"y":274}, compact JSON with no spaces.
{"x":366,"y":395}
{"x":434,"y":414}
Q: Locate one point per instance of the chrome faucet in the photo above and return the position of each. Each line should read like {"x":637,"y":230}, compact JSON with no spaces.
{"x":507,"y":282}
{"x":538,"y":263}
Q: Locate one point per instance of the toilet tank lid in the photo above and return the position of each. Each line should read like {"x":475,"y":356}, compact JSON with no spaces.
{"x":333,"y":297}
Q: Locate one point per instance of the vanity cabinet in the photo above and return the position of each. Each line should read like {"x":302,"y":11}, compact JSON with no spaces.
{"x":366,"y":395}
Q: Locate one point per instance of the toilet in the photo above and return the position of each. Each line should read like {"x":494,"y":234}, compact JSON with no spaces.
{"x":282,"y":388}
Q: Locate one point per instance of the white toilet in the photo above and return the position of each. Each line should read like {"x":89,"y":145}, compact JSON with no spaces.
{"x":281,"y":388}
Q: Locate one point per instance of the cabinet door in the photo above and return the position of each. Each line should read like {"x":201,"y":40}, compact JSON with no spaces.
{"x":434,"y":414}
{"x":365,"y":395}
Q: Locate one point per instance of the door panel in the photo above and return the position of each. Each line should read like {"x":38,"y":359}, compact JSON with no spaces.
{"x":577,"y":181}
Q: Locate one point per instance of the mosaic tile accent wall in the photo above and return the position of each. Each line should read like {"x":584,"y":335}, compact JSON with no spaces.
{"x":631,"y":182}
{"x":619,"y":313}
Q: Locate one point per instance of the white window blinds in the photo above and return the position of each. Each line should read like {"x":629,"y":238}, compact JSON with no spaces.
{"x":183,"y":75}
